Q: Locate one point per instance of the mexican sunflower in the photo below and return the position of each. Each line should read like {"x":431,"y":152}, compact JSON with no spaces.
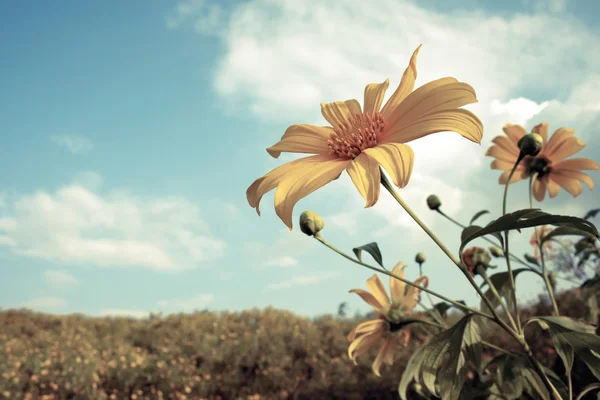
{"x":388,"y":327}
{"x":360,"y":140}
{"x":553,"y":170}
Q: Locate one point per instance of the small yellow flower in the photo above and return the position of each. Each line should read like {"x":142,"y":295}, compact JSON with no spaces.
{"x":553,"y":170}
{"x":389,"y":315}
{"x":360,"y":140}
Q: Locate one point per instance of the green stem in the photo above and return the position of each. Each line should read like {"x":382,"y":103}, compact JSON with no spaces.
{"x":481,"y":271}
{"x":511,"y":277}
{"x":386,"y":272}
{"x":540,"y":245}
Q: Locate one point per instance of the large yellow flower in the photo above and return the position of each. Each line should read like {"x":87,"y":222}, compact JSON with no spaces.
{"x":550,"y":164}
{"x":360,"y":140}
{"x":388,"y":324}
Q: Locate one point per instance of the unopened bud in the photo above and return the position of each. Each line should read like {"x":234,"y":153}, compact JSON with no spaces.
{"x":420,"y":258}
{"x":433,"y":202}
{"x":531,"y":144}
{"x":476,"y":257}
{"x":311,"y":223}
{"x":496,"y":251}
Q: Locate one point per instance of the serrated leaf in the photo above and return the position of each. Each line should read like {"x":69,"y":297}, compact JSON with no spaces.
{"x":531,"y":259}
{"x":371,"y":248}
{"x":502,"y":284}
{"x":571,"y":337}
{"x":528,"y":218}
{"x":591,"y":213}
{"x":563,"y":231}
{"x":477,"y":215}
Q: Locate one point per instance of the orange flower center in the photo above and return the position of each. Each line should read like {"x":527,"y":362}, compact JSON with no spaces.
{"x":359,"y":133}
{"x":541,"y":165}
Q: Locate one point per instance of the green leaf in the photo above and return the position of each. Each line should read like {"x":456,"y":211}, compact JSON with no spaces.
{"x":473,"y":229}
{"x":372,"y":249}
{"x":591,"y":213}
{"x":571,"y":337}
{"x":563,"y":231}
{"x":531,"y":259}
{"x":588,"y":388}
{"x":461,"y":342}
{"x":413,"y":368}
{"x":443,"y":307}
{"x":528,"y":218}
{"x":501,"y":282}
{"x":510,"y":381}
{"x":534,"y":385}
{"x":477,"y":215}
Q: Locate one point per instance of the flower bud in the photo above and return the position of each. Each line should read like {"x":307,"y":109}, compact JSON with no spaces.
{"x":433,"y":202}
{"x":531,"y":144}
{"x":311,"y":223}
{"x":496,"y":251}
{"x":474,"y":257}
{"x":420,"y":258}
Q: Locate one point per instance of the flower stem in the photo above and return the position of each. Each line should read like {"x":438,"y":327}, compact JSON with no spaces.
{"x":481,"y":271}
{"x":511,"y":277}
{"x":540,"y":245}
{"x":386,"y":272}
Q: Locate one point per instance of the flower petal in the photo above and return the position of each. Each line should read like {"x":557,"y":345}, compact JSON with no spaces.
{"x":514,"y":132}
{"x":520,"y":174}
{"x":553,"y":188}
{"x":396,"y":158}
{"x":565,"y":149}
{"x":406,"y":86}
{"x":413,"y":295}
{"x":388,"y":357}
{"x":303,"y":138}
{"x":539,"y":190}
{"x":304,"y":180}
{"x":362,"y":344}
{"x":369,"y":299}
{"x":458,"y":120}
{"x":397,"y":287}
{"x":338,"y":112}
{"x":429,"y":99}
{"x":378,"y":290}
{"x":542,"y":130}
{"x":576,"y":164}
{"x":270,"y":181}
{"x":381,"y":355}
{"x":502,"y":154}
{"x":576,"y":175}
{"x":366,"y":327}
{"x":506,"y":144}
{"x":374,"y":94}
{"x":365,"y":175}
{"x":571,"y":185}
{"x":560,"y":135}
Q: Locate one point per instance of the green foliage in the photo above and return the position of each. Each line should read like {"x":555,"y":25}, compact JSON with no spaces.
{"x":371,"y":248}
{"x":501,"y":282}
{"x":477,"y":215}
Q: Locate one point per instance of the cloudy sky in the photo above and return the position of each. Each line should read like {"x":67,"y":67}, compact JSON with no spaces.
{"x":129,"y":132}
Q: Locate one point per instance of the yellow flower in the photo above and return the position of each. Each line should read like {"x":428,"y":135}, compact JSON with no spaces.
{"x":550,"y":164}
{"x":389,"y":317}
{"x":360,"y":140}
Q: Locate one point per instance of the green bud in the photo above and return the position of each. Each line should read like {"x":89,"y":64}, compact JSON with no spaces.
{"x":420,"y":258}
{"x":531,"y":144}
{"x":311,"y":223}
{"x":433,"y":202}
{"x":496,"y":251}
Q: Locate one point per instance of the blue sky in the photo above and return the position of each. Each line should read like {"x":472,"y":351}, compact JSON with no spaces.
{"x":131,"y":130}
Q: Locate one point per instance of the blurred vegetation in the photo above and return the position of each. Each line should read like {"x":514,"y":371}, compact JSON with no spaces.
{"x":255,"y":354}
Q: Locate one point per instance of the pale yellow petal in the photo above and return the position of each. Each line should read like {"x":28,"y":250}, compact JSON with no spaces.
{"x":503,"y":165}
{"x":381,"y":355}
{"x":502,"y":154}
{"x":369,"y":299}
{"x":560,"y":135}
{"x":397,"y":287}
{"x":514,"y":132}
{"x":303,"y":181}
{"x":542,"y":130}
{"x":575,"y":175}
{"x":374,"y":94}
{"x":378,"y":290}
{"x":303,"y":138}
{"x":432,"y":100}
{"x":388,"y":358}
{"x":520,"y":174}
{"x":539,"y":190}
{"x":506,"y":144}
{"x":366,"y":327}
{"x":413,"y":295}
{"x":553,"y":188}
{"x":271,"y":180}
{"x":362,"y":344}
{"x":365,"y":175}
{"x":565,"y":149}
{"x":459,"y":120}
{"x":576,"y":164}
{"x":396,"y":158}
{"x":571,"y":185}
{"x":339,"y":112}
{"x":406,"y":86}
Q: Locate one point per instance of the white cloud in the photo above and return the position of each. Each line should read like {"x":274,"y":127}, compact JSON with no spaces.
{"x":75,"y":144}
{"x":45,"y":303}
{"x":76,"y":225}
{"x":306,"y":279}
{"x":209,"y":19}
{"x":60,"y":278}
{"x":285,"y":261}
{"x":185,"y":305}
